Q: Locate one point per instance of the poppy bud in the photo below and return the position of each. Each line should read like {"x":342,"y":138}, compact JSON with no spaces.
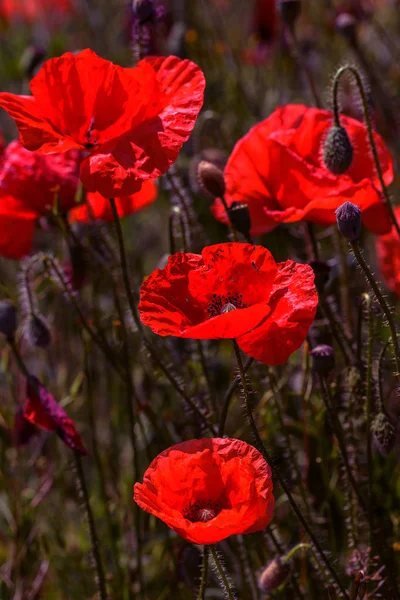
{"x":275,"y":573}
{"x":338,"y":151}
{"x":8,"y":319}
{"x":289,"y":11}
{"x":322,"y":272}
{"x":37,"y":332}
{"x":383,"y":433}
{"x":346,"y":25}
{"x":143,"y":10}
{"x":211,"y":179}
{"x":348,"y":218}
{"x":240,"y":217}
{"x":323,"y":359}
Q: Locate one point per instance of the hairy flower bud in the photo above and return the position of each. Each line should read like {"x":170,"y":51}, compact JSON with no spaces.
{"x":383,"y":433}
{"x":289,"y":11}
{"x":211,"y":179}
{"x":323,"y":359}
{"x":275,"y":573}
{"x":37,"y":332}
{"x":8,"y":319}
{"x":338,"y":151}
{"x":240,"y":217}
{"x":348,"y":218}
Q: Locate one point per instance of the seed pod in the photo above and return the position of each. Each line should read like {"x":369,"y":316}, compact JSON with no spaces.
{"x":338,"y":151}
{"x":240,"y":217}
{"x":348,"y":219}
{"x":211,"y":179}
{"x":383,"y":433}
{"x":275,"y":573}
{"x":323,"y":359}
{"x":289,"y":11}
{"x":37,"y":332}
{"x":8,"y":319}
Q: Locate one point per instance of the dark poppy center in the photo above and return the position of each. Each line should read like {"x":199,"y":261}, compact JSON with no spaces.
{"x":201,"y":511}
{"x":221,"y":304}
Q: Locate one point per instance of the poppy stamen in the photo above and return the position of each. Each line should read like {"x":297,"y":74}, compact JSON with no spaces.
{"x":221,"y":304}
{"x":199,"y":512}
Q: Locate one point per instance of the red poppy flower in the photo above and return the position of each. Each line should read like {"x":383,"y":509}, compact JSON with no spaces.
{"x":232,"y":290}
{"x":132,"y":122}
{"x":98,"y":207}
{"x":42,"y":410}
{"x":207,"y":490}
{"x":388,"y":250}
{"x":301,"y":187}
{"x":38,"y":180}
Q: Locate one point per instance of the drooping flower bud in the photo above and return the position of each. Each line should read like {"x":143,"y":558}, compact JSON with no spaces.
{"x":240,"y":217}
{"x":348,"y":218}
{"x":8,"y":319}
{"x":37,"y":331}
{"x":383,"y":433}
{"x":289,"y":11}
{"x":275,"y":573}
{"x":323,"y":359}
{"x":338,"y":151}
{"x":211,"y":179}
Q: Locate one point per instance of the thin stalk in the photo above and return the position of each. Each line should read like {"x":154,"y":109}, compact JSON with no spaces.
{"x":207,"y":377}
{"x":336,"y":112}
{"x":308,"y":547}
{"x":381,"y":407}
{"x":279,"y":548}
{"x":288,"y":439}
{"x":298,"y":56}
{"x":228,"y":397}
{"x":338,"y":431}
{"x":337,"y":332}
{"x":345,"y":300}
{"x":99,"y":466}
{"x":222,"y":574}
{"x":281,"y":480}
{"x":247,"y":570}
{"x":83,"y":492}
{"x":368,"y":410}
{"x":204,"y":574}
{"x":381,"y":300}
{"x":132,"y":306}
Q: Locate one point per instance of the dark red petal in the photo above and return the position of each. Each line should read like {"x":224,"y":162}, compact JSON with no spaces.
{"x":293,"y":305}
{"x":42,"y":410}
{"x":17,"y":227}
{"x":388,"y":251}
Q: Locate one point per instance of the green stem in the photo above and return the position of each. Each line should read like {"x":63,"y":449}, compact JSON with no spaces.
{"x":228,"y":397}
{"x":336,"y":113}
{"x":381,"y":300}
{"x":222,"y":574}
{"x":81,"y":483}
{"x":207,"y":377}
{"x":368,"y":410}
{"x":381,"y":407}
{"x":338,"y":431}
{"x":132,"y":306}
{"x":204,"y":574}
{"x":277,"y":474}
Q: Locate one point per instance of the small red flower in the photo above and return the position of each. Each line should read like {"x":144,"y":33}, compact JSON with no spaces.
{"x":42,"y":410}
{"x":302,"y":187}
{"x":98,"y":207}
{"x":207,"y":490}
{"x":388,"y":250}
{"x":131,"y":122}
{"x":232,"y":290}
{"x":31,"y":10}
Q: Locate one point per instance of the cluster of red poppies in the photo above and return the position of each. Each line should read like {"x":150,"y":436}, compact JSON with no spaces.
{"x":116,"y":130}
